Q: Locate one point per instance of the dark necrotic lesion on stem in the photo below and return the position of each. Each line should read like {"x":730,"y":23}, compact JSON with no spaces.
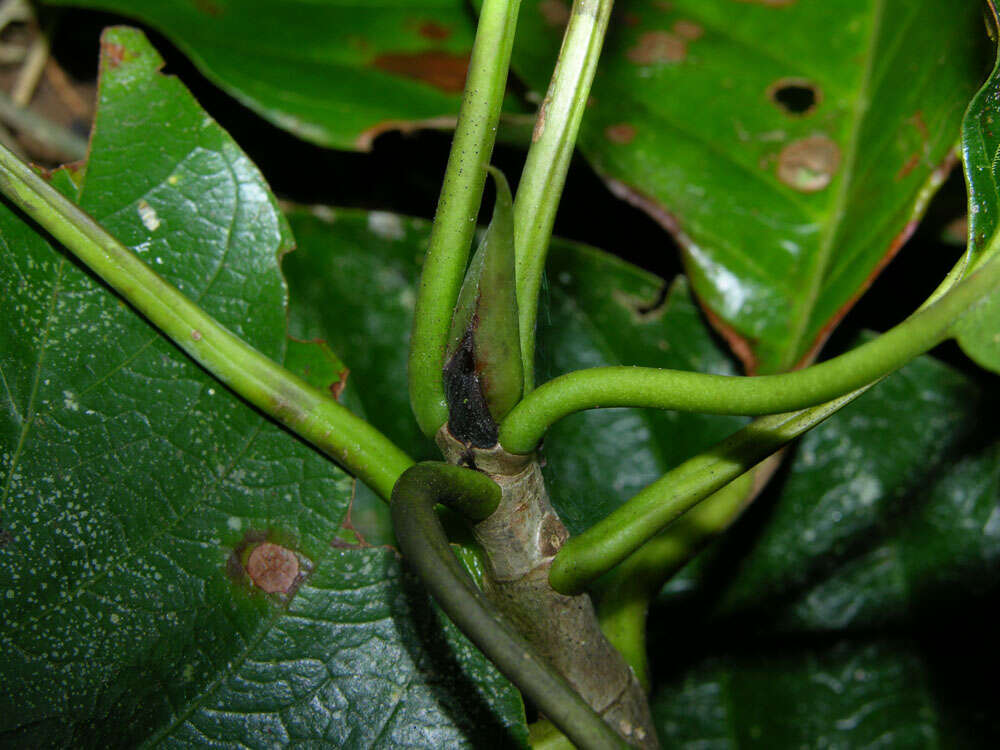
{"x":426,"y":548}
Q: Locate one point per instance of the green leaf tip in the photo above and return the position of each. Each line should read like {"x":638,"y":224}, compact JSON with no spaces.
{"x":483,"y":374}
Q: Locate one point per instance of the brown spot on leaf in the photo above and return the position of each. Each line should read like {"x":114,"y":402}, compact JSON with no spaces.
{"x":796,"y":97}
{"x":208,"y":7}
{"x":908,"y":166}
{"x":434,"y":31}
{"x":809,"y":164}
{"x":554,"y":12}
{"x":621,"y":132}
{"x":688,"y":30}
{"x":917,"y":120}
{"x":5,"y":538}
{"x":338,"y":387}
{"x":196,"y":335}
{"x":657,"y":46}
{"x":273,"y":568}
{"x":536,"y":134}
{"x":114,"y":54}
{"x":442,"y":70}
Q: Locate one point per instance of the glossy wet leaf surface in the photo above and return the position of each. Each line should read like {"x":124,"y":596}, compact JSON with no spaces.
{"x":849,"y":606}
{"x":979,"y":332}
{"x":134,"y":488}
{"x":331,"y":72}
{"x":788,"y":146}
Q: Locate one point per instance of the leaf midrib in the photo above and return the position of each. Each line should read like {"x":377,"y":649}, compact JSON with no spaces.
{"x":804,"y":310}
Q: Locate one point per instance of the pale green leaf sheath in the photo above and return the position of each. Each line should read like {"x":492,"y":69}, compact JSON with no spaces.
{"x":483,"y":377}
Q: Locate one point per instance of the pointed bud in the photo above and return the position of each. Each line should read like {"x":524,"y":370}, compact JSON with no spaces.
{"x":483,"y":375}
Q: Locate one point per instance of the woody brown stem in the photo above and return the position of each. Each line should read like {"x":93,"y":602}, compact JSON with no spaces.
{"x":520,"y":540}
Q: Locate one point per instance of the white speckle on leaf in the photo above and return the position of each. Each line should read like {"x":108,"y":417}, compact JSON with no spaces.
{"x":70,"y":402}
{"x":235,"y":523}
{"x":148,"y":215}
{"x":386,"y":225}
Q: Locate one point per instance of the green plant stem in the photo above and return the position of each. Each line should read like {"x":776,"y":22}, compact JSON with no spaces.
{"x":307,"y":411}
{"x":591,"y":554}
{"x":455,"y":220}
{"x":602,"y":387}
{"x":426,"y":548}
{"x":624,"y":593}
{"x":548,"y":159}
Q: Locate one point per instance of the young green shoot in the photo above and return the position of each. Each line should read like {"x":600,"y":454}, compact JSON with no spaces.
{"x":548,"y":159}
{"x":455,"y":220}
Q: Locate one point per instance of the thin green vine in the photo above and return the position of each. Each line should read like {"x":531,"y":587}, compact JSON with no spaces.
{"x":548,"y":159}
{"x":603,"y":387}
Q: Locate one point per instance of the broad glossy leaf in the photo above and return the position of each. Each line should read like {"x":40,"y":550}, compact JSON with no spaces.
{"x":847,"y":608}
{"x":979,"y":332}
{"x":890,"y":503}
{"x":332,"y":72}
{"x":871,"y":693}
{"x":134,"y":488}
{"x":789,"y":146}
{"x":352,"y":283}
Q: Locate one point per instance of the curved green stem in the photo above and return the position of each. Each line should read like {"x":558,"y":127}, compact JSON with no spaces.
{"x":591,"y":554}
{"x":455,"y":220}
{"x":307,"y":411}
{"x":602,"y":387}
{"x":624,"y":594}
{"x":548,"y":160}
{"x":426,"y":548}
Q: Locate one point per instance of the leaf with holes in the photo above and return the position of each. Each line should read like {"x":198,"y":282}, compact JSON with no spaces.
{"x":333,"y":73}
{"x":793,"y":184}
{"x":169,"y":563}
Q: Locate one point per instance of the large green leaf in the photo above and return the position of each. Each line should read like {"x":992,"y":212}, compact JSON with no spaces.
{"x":335,"y":73}
{"x":856,"y":584}
{"x":842,"y":695}
{"x":134,"y":487}
{"x":784,"y":216}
